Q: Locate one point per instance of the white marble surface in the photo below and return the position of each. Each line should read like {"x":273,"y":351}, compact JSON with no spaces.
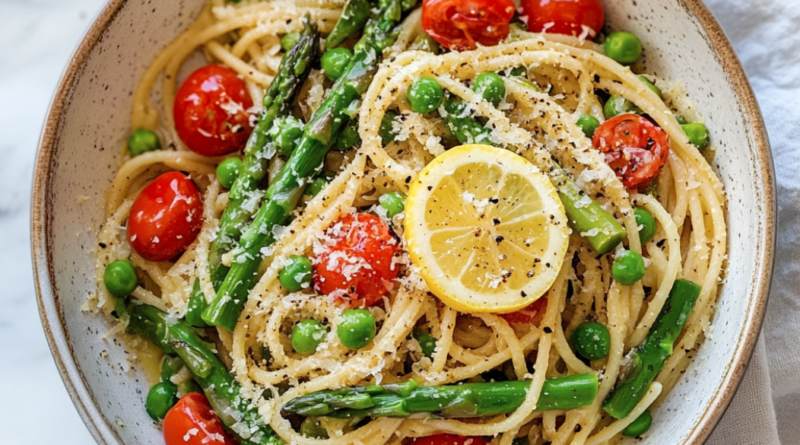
{"x":37,"y":38}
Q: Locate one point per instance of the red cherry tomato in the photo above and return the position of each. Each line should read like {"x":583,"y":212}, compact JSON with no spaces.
{"x":353,"y":263}
{"x":532,"y":314}
{"x":462,"y":24}
{"x":634,"y":148}
{"x":563,"y":16}
{"x":211,"y":111}
{"x":192,"y":422}
{"x":165,"y":218}
{"x":449,"y":439}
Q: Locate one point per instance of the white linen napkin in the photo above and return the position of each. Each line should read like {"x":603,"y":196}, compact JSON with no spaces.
{"x":766,"y":36}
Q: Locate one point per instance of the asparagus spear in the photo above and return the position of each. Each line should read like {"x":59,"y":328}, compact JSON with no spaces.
{"x":451,"y":401}
{"x":340,"y":105}
{"x":648,"y":359}
{"x":354,"y":15}
{"x":221,"y":390}
{"x":598,"y":227}
{"x":292,"y":72}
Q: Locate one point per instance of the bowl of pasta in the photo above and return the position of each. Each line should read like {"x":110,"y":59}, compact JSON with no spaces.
{"x":430,"y":222}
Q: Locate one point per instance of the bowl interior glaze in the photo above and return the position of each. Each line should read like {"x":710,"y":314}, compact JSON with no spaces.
{"x":88,"y":123}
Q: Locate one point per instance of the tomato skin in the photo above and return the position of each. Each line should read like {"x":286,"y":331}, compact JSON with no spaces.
{"x":566,"y":16}
{"x":192,"y":412}
{"x":461,"y":24}
{"x":210,"y":111}
{"x":532,"y":314}
{"x":166,"y":217}
{"x":354,"y":263}
{"x":633,"y":147}
{"x":449,"y":439}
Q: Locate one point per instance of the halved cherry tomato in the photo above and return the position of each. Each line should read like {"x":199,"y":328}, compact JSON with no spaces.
{"x":354,"y":261}
{"x":210,"y":111}
{"x":462,"y":24}
{"x":634,"y":148}
{"x":532,"y":314}
{"x":192,"y":422}
{"x":563,"y":16}
{"x":449,"y":439}
{"x":165,"y":218}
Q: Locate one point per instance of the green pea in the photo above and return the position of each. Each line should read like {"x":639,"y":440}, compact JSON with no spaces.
{"x":426,"y":342}
{"x":619,"y":105}
{"x":288,"y":41}
{"x":623,"y":47}
{"x":591,"y":340}
{"x":490,"y":87}
{"x":120,"y":278}
{"x":697,"y":134}
{"x":387,"y":132}
{"x":227,"y":172}
{"x":588,"y":124}
{"x":311,"y":428}
{"x":425,"y":95}
{"x":628,"y":267}
{"x":296,"y":273}
{"x":285,"y":132}
{"x":650,"y":85}
{"x":393,"y":203}
{"x":646,"y":223}
{"x":317,"y":185}
{"x":424,"y":42}
{"x":189,"y":386}
{"x":639,"y":426}
{"x":334,"y":62}
{"x":307,"y":335}
{"x":142,"y":141}
{"x":161,"y":397}
{"x":169,"y":367}
{"x":349,"y":137}
{"x":356,"y":328}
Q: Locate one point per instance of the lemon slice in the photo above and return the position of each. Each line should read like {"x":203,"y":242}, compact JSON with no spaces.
{"x":486,"y":229}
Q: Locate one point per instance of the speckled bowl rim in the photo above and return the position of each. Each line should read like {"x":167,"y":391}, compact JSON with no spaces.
{"x":53,"y":318}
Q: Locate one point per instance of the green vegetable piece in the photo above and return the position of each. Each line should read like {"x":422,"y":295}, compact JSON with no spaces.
{"x":317,"y":185}
{"x":591,"y":340}
{"x":142,"y":141}
{"x":650,"y":85}
{"x":520,"y":441}
{"x":426,"y":342}
{"x":169,"y":367}
{"x":349,"y":137}
{"x":623,"y":47}
{"x":490,"y":87}
{"x":120,"y":307}
{"x":120,"y":278}
{"x":227,"y":172}
{"x":588,"y":124}
{"x":356,"y":328}
{"x":628,"y":267}
{"x":187,"y":387}
{"x":619,"y":105}
{"x":334,"y":62}
{"x":354,"y":15}
{"x":646,"y":223}
{"x":313,"y":429}
{"x":387,"y":131}
{"x":161,"y":397}
{"x":393,"y":203}
{"x":285,"y":132}
{"x":296,"y":273}
{"x":290,"y":40}
{"x":681,"y":120}
{"x":307,"y":335}
{"x":425,"y":95}
{"x":424,"y":42}
{"x":520,"y":71}
{"x":639,"y":426}
{"x":197,"y":303}
{"x":697,"y":134}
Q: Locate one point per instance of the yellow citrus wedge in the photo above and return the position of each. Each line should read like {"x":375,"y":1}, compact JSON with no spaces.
{"x":486,"y":229}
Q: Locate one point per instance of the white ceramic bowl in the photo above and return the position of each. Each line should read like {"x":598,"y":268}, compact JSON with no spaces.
{"x":88,"y":122}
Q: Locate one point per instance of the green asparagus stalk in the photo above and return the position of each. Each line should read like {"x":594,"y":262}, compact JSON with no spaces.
{"x":648,"y":359}
{"x":244,"y":194}
{"x":597,"y":226}
{"x":340,"y":105}
{"x":236,"y":413}
{"x":451,"y":401}
{"x":354,"y":16}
